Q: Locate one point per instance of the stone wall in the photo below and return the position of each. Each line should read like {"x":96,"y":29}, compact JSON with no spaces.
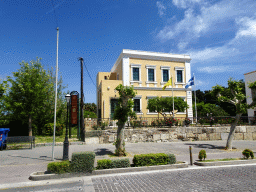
{"x":173,"y":134}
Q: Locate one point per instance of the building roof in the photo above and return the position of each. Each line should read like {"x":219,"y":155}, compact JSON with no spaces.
{"x":250,"y":73}
{"x":151,"y":56}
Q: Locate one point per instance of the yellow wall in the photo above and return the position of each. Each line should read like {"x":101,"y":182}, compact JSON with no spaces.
{"x":158,"y":64}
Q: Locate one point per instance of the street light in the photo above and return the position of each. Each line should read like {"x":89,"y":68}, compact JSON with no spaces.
{"x":66,"y":143}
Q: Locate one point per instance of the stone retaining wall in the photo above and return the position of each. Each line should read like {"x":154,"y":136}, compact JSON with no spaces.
{"x":174,"y":134}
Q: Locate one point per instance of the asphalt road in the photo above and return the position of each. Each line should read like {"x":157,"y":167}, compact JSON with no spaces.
{"x":233,"y":178}
{"x":17,"y":165}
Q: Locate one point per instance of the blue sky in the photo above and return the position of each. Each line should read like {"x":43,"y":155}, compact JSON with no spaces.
{"x":220,"y":36}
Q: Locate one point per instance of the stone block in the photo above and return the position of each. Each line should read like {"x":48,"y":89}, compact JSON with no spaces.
{"x":156,"y":137}
{"x":224,"y":136}
{"x":202,"y":137}
{"x":238,"y":136}
{"x":222,"y":129}
{"x":248,"y":136}
{"x":199,"y":130}
{"x":242,"y":129}
{"x":103,"y":139}
{"x":92,"y":140}
{"x":250,"y":129}
{"x":173,"y":129}
{"x":164,"y":136}
{"x":254,"y":136}
{"x":190,"y":129}
{"x":181,"y":130}
{"x":111,"y":139}
{"x":214,"y":136}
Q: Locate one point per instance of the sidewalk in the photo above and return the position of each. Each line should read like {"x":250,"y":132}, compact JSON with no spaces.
{"x":17,"y":165}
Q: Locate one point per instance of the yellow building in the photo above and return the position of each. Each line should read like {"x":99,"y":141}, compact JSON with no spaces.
{"x":147,"y":72}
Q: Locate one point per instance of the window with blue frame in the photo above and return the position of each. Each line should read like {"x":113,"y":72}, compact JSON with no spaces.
{"x":136,"y":74}
{"x":165,"y":75}
{"x":151,"y":75}
{"x":136,"y":107}
{"x":179,"y":76}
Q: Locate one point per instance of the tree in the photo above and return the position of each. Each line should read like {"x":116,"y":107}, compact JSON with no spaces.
{"x":92,"y":107}
{"x":122,"y":112}
{"x":31,"y":96}
{"x":208,"y":108}
{"x":165,"y":104}
{"x":234,"y":95}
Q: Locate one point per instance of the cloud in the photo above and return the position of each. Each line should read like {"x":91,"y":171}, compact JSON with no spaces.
{"x":185,"y":3}
{"x":161,"y":8}
{"x":248,"y":27}
{"x":217,"y":69}
{"x":209,"y":19}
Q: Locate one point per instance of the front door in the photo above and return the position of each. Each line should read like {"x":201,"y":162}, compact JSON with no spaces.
{"x":113,"y":103}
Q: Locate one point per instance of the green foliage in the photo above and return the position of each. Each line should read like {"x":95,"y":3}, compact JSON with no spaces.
{"x":248,"y":153}
{"x":165,"y":104}
{"x":171,"y":159}
{"x":204,"y":109}
{"x":31,"y":95}
{"x":111,"y":164}
{"x":103,"y":164}
{"x":202,"y":155}
{"x":187,"y":121}
{"x":48,"y":129}
{"x":91,"y":107}
{"x":125,"y":103}
{"x":150,"y":159}
{"x":82,"y":162}
{"x":59,"y":167}
{"x":234,"y":95}
{"x":91,"y":114}
{"x":120,"y":163}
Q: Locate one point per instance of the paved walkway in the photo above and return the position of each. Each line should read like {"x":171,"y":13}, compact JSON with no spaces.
{"x":17,"y":165}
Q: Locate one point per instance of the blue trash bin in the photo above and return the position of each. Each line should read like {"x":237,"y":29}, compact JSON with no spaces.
{"x":3,"y":136}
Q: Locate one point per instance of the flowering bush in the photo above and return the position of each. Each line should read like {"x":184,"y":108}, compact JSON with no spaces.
{"x":187,"y":121}
{"x":170,"y":121}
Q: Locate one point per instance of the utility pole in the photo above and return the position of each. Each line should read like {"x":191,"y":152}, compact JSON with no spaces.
{"x":82,"y":102}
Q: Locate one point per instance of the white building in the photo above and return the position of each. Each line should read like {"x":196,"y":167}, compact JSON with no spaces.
{"x":249,"y":78}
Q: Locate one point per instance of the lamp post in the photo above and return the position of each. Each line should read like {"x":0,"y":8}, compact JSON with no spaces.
{"x":66,"y":143}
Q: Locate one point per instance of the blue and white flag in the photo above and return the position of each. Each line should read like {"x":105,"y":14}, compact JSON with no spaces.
{"x":190,"y":82}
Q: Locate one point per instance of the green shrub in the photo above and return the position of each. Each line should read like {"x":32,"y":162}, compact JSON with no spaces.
{"x":91,"y":114}
{"x":202,"y":155}
{"x":59,"y":167}
{"x":103,"y":164}
{"x":171,"y":159}
{"x":248,"y":153}
{"x":82,"y":162}
{"x":150,"y":159}
{"x":120,"y":163}
{"x":48,"y":129}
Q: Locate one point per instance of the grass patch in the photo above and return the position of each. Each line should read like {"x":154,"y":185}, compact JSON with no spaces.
{"x":49,"y":139}
{"x":226,"y":159}
{"x":113,"y":155}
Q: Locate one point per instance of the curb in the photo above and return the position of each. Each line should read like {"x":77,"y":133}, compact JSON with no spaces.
{"x":37,"y":176}
{"x":220,"y":163}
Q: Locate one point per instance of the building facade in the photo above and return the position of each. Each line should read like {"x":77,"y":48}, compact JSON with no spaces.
{"x":148,"y":72}
{"x":250,"y":78}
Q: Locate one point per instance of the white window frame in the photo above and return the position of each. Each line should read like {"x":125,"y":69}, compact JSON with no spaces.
{"x":151,"y":113}
{"x":183,"y":77}
{"x":165,"y":68}
{"x":135,"y":66}
{"x":153,"y":82}
{"x":140,"y":98}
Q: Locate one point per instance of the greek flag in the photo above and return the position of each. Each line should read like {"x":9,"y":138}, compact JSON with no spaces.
{"x":190,"y":82}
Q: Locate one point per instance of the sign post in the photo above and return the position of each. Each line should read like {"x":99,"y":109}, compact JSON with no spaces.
{"x":74,"y":111}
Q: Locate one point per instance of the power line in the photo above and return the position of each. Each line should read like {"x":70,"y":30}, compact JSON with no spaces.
{"x":89,"y":75}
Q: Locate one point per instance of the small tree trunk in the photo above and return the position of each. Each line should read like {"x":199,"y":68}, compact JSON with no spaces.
{"x":232,"y":131}
{"x":30,"y":125}
{"x":120,"y":139}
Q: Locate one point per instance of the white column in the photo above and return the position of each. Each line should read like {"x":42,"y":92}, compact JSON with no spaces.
{"x":189,"y":102}
{"x":125,"y":71}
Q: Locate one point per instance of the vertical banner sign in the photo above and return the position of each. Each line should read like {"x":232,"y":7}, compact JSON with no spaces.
{"x":74,"y":109}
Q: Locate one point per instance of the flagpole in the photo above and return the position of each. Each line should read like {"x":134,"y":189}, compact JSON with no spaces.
{"x":195,"y":95}
{"x":172,"y":99}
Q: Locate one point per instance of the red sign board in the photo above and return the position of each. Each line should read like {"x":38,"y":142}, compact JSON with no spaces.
{"x":74,"y":109}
